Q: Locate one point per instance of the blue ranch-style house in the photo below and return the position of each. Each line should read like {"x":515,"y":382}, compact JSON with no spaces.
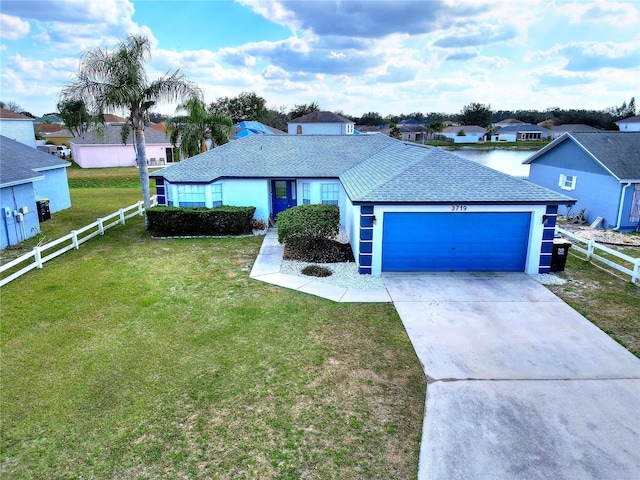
{"x":600,"y":169}
{"x":26,"y":176}
{"x":404,"y":206}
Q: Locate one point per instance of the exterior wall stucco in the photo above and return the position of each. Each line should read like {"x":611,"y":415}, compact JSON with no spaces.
{"x":532,"y":264}
{"x":55,"y":187}
{"x":319,"y":128}
{"x":11,"y":231}
{"x":19,"y":130}
{"x":248,"y":193}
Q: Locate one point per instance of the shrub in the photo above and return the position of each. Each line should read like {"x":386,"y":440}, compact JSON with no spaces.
{"x":200,"y":221}
{"x":258,"y":224}
{"x":316,"y":271}
{"x":305,"y":225}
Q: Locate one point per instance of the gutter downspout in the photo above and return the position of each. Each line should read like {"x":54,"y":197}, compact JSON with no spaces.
{"x":624,"y":189}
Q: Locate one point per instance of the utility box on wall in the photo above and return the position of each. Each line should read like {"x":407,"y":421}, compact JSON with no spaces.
{"x":44,"y":211}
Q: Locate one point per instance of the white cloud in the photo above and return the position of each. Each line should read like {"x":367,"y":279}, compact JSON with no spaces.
{"x":602,"y":12}
{"x":12,"y":28}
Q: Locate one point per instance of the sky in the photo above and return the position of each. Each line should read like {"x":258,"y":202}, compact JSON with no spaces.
{"x":354,"y":56}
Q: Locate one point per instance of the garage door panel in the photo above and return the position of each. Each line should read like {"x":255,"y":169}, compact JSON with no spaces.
{"x":455,"y":241}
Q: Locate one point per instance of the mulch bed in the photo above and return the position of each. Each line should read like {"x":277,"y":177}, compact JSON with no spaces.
{"x":326,"y":251}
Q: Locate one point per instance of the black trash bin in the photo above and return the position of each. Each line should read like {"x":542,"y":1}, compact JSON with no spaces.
{"x":560,"y":254}
{"x":44,"y":211}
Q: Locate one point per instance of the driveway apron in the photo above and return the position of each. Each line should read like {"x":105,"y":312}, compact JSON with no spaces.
{"x":519,"y":385}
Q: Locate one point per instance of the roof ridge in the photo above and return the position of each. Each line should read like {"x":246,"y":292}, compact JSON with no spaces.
{"x":372,"y":187}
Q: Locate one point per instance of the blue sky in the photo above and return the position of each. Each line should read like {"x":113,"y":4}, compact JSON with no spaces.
{"x":357,"y":56}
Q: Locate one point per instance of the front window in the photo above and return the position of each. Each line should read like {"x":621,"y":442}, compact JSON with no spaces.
{"x":306,"y":193}
{"x":191,"y":195}
{"x":330,"y":193}
{"x":216,"y":195}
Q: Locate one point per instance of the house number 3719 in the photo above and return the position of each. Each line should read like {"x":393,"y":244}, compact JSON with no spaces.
{"x":458,"y":208}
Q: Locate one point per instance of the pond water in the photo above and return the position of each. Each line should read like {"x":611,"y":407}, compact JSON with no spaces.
{"x":506,"y":161}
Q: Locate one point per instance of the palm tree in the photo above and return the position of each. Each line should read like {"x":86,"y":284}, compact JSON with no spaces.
{"x":198,"y":126}
{"x":113,"y":81}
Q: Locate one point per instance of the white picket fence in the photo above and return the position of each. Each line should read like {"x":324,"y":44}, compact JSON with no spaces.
{"x":73,"y":240}
{"x":589,"y":250}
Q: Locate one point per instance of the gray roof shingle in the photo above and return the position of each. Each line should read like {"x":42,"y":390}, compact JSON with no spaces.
{"x":372,"y":168}
{"x":618,"y":152}
{"x":20,"y":163}
{"x":320,"y":117}
{"x":110,"y":135}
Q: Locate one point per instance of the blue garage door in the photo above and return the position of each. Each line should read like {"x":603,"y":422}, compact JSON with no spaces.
{"x":455,"y":241}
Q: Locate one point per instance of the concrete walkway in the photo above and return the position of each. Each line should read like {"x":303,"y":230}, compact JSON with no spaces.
{"x":520,"y":385}
{"x":267,"y":269}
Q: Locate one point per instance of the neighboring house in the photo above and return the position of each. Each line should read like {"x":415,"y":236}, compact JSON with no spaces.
{"x":26,"y":176}
{"x":509,"y":121}
{"x":61,"y":136}
{"x":631,"y":124}
{"x":245,"y":128}
{"x":321,"y":123}
{"x":601,"y":170}
{"x":373,"y":129}
{"x":472,"y":133}
{"x":557,"y":130}
{"x":17,"y":127}
{"x":520,"y":132}
{"x":104,"y":148}
{"x":404,"y":206}
{"x":412,"y":130}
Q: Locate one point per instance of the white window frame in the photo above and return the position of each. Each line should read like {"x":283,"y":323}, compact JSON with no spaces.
{"x":306,"y":193}
{"x":327,"y":193}
{"x":216,"y":195}
{"x":567,"y":182}
{"x":191,"y":193}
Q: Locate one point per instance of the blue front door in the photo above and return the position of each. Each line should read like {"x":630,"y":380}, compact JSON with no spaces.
{"x":283,"y":195}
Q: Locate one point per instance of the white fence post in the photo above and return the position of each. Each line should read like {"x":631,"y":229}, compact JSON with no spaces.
{"x":74,"y":238}
{"x":101,"y":226}
{"x":122,"y":216}
{"x":590,"y":247}
{"x":636,"y":271}
{"x":140,"y":209}
{"x":37,"y":256}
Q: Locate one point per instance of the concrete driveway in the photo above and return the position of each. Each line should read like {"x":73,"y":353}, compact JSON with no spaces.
{"x":520,"y":386}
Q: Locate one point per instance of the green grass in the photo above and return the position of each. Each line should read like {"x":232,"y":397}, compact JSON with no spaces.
{"x":87,"y":204}
{"x":142,"y":358}
{"x":121,"y":177}
{"x":606,"y":299}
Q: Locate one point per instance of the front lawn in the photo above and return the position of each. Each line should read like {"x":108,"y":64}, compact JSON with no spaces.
{"x":143,"y":358}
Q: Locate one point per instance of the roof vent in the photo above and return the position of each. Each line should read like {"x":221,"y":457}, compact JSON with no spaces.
{"x":608,"y":138}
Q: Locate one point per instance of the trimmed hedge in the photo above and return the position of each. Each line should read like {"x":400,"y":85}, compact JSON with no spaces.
{"x":303,"y":226}
{"x":170,"y":221}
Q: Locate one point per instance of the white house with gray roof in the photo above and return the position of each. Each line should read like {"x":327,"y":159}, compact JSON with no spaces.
{"x":321,"y":123}
{"x":631,"y":124}
{"x":600,"y":169}
{"x":404,"y":206}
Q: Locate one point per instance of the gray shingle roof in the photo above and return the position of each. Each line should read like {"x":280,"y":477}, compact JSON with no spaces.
{"x":372,"y":168}
{"x":20,"y":163}
{"x":618,"y":152}
{"x":574,"y":127}
{"x":521,"y":127}
{"x":320,"y":117}
{"x":111,"y":136}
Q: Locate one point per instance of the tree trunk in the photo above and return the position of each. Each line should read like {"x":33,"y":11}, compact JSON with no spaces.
{"x":141,"y":147}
